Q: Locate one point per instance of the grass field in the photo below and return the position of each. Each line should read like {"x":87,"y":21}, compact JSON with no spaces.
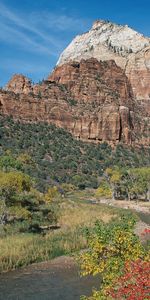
{"x":75,"y":214}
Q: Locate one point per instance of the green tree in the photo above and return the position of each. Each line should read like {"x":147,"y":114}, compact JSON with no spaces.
{"x":13,"y":183}
{"x":103,"y":190}
{"x":114,"y":177}
{"x":137,"y":183}
{"x":109,"y":247}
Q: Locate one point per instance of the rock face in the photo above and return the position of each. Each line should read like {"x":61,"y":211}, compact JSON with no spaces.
{"x":91,"y":99}
{"x":99,"y":91}
{"x":19,"y":84}
{"x":91,"y":80}
{"x":107,"y":41}
{"x":138,"y":72}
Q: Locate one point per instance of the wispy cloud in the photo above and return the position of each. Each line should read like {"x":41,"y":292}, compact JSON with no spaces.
{"x":23,"y":67}
{"x":16,"y":37}
{"x":36,"y":32}
{"x":59,"y":22}
{"x":33,"y":40}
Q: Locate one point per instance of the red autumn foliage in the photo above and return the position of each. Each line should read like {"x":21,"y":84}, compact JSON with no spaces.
{"x":146,"y":231}
{"x":134,"y":284}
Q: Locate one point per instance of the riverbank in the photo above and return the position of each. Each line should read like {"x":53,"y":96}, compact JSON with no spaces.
{"x":77,"y":214}
{"x":55,"y":279}
{"x":139,"y":206}
{"x":22,"y":249}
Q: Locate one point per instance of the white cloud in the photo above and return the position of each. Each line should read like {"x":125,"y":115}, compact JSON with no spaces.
{"x":43,"y":34}
{"x":16,"y":37}
{"x":36,"y":32}
{"x":58,"y":22}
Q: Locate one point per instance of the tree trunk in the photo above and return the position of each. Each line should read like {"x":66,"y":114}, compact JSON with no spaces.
{"x":148,"y":195}
{"x":129,"y":197}
{"x":113,"y":194}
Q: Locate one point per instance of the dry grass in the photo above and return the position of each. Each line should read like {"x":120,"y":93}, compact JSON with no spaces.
{"x":82,"y":214}
{"x":23,"y":249}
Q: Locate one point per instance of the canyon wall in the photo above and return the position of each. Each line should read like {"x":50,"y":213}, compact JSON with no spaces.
{"x":91,"y":99}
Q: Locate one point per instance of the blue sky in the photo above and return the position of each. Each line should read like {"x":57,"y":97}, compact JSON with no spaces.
{"x":33,"y":33}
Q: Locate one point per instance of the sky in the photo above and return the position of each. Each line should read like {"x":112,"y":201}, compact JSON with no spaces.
{"x":33,"y":33}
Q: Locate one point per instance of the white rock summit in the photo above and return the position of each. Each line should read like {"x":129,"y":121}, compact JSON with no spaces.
{"x":103,"y":41}
{"x":108,"y":41}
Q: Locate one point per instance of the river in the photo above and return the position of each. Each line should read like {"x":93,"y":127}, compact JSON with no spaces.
{"x":55,"y":280}
{"x":144,"y":217}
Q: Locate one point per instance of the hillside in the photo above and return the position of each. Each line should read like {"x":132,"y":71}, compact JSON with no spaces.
{"x":56,"y":157}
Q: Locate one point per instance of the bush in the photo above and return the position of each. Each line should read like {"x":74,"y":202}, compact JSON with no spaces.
{"x":134,"y":283}
{"x":109,"y":247}
{"x":103,"y":190}
{"x":13,"y":183}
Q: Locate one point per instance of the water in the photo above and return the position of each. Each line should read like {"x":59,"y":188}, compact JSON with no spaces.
{"x":46,"y":281}
{"x":144,"y":217}
{"x":55,"y":280}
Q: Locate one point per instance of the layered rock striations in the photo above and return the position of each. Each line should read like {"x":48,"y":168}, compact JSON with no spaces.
{"x":108,"y":41}
{"x":19,"y":84}
{"x":91,"y":80}
{"x":99,"y":90}
{"x":93,"y":100}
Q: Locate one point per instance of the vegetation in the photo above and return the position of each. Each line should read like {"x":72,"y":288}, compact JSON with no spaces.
{"x":55,"y":157}
{"x":47,"y":180}
{"x":117,"y":254}
{"x":134,"y":283}
{"x":24,"y":249}
{"x":20,"y":249}
{"x":22,"y":207}
{"x":125,"y":183}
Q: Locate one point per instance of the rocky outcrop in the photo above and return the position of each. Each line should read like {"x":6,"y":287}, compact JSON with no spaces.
{"x":138,"y":72}
{"x":91,"y":80}
{"x":93,"y":100}
{"x":19,"y":84}
{"x":108,"y":41}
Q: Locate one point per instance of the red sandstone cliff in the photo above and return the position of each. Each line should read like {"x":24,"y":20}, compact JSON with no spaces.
{"x":91,"y":99}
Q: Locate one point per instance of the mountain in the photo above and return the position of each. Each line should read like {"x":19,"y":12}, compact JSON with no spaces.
{"x":128,"y":48}
{"x":99,"y":90}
